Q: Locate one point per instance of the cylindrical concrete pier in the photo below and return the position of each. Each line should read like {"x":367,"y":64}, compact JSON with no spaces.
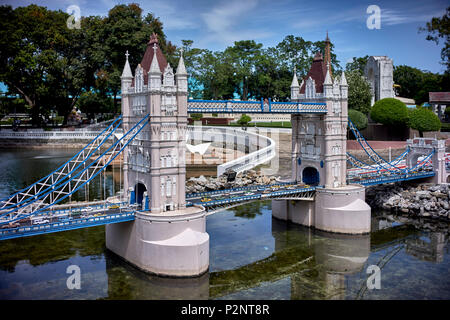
{"x":173,"y":244}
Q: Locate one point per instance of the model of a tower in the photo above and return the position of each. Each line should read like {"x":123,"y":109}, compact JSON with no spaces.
{"x":319,"y":141}
{"x":154,"y":163}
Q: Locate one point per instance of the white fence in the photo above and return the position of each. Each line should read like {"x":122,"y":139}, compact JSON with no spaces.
{"x":48,"y":135}
{"x":261,"y":148}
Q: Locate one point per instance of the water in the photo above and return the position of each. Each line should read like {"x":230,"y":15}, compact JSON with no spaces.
{"x":252,"y":255}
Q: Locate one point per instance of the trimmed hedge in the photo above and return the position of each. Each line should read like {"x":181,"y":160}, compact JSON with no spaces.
{"x":423,"y":120}
{"x":358,"y":118}
{"x":390,"y":111}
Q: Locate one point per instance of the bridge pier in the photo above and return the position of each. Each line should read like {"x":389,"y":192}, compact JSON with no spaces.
{"x":338,"y":210}
{"x":174,"y":245}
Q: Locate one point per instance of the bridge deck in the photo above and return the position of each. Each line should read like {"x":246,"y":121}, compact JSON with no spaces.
{"x":211,"y":200}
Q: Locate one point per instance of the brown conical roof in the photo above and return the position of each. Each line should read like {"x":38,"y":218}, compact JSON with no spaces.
{"x":148,"y":57}
{"x":317,"y":72}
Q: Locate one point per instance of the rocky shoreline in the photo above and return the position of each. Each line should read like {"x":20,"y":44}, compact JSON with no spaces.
{"x":424,"y":200}
{"x":243,"y":179}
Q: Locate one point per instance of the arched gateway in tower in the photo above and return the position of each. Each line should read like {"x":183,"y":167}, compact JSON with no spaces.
{"x":166,"y":237}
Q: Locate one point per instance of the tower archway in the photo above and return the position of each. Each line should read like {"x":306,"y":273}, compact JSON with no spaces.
{"x":139,"y":190}
{"x":311,"y":176}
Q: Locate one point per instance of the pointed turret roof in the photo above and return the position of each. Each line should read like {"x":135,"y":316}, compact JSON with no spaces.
{"x":343,"y":79}
{"x":328,"y":77}
{"x":126,"y":73}
{"x":294,"y":79}
{"x":181,"y":69}
{"x":154,"y":67}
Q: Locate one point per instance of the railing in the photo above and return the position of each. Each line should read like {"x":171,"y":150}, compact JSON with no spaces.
{"x":243,"y":163}
{"x":48,"y":135}
{"x":233,"y":106}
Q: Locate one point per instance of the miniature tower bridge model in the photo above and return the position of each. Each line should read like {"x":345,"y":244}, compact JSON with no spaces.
{"x":153,"y":227}
{"x":166,"y":238}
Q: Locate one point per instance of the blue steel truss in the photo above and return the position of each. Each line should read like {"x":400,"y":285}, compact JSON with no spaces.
{"x":81,"y":178}
{"x":34,"y":230}
{"x":62,"y":173}
{"x":233,"y":106}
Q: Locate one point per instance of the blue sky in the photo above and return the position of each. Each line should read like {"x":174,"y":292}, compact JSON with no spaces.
{"x":217,"y":24}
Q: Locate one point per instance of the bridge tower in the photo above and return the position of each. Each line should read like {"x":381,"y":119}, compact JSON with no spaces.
{"x":166,"y":237}
{"x":423,"y":147}
{"x":319,"y":147}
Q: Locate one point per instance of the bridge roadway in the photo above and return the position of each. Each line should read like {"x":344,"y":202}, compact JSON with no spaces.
{"x":96,"y":215}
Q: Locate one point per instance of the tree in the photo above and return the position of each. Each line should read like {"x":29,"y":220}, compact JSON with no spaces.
{"x":409,"y":79}
{"x":416,"y":84}
{"x":358,"y":118}
{"x":243,"y":56}
{"x":439,"y":28}
{"x":244,"y":120}
{"x":41,"y":59}
{"x":126,"y":29}
{"x":424,"y":120}
{"x":357,"y":64}
{"x":359,"y":94}
{"x":390,"y":111}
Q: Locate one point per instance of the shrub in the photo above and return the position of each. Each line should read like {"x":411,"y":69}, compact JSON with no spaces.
{"x":358,"y":118}
{"x":424,"y":120}
{"x":196,"y":116}
{"x":244,"y":120}
{"x":390,"y":111}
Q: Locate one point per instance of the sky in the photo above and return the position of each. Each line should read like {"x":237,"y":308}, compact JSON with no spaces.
{"x":216,"y":24}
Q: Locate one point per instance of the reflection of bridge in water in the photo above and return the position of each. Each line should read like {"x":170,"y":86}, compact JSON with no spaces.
{"x":315,"y":264}
{"x":153,"y":215}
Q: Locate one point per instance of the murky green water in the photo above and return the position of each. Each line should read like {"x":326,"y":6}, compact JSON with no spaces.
{"x":252,"y":256}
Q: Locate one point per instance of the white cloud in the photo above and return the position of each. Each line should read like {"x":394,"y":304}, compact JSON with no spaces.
{"x":225,"y":22}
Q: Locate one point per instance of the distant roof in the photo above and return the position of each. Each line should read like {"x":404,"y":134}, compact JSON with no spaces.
{"x":406,"y":100}
{"x":439,"y":96}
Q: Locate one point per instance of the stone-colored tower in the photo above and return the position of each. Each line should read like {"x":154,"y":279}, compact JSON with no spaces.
{"x":379,"y":72}
{"x":319,"y":147}
{"x":154,"y":164}
{"x":319,"y":141}
{"x":166,"y":237}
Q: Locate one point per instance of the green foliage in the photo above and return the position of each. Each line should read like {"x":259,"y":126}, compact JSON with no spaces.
{"x":244,"y":120}
{"x":359,"y":95}
{"x":424,"y":120}
{"x":390,"y":111}
{"x":416,"y":84}
{"x":91,"y":103}
{"x":445,"y":127}
{"x":447,"y":110}
{"x":357,"y":64}
{"x":249,"y":70}
{"x":196,"y":116}
{"x":440,"y":28}
{"x":358,"y":118}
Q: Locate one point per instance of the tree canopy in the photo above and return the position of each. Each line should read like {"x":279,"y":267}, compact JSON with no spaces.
{"x":438,"y":28}
{"x":359,"y":94}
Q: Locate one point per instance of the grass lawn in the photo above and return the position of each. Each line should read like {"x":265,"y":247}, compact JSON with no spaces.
{"x":274,"y":124}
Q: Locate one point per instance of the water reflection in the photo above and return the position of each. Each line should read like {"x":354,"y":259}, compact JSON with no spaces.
{"x":428,"y":248}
